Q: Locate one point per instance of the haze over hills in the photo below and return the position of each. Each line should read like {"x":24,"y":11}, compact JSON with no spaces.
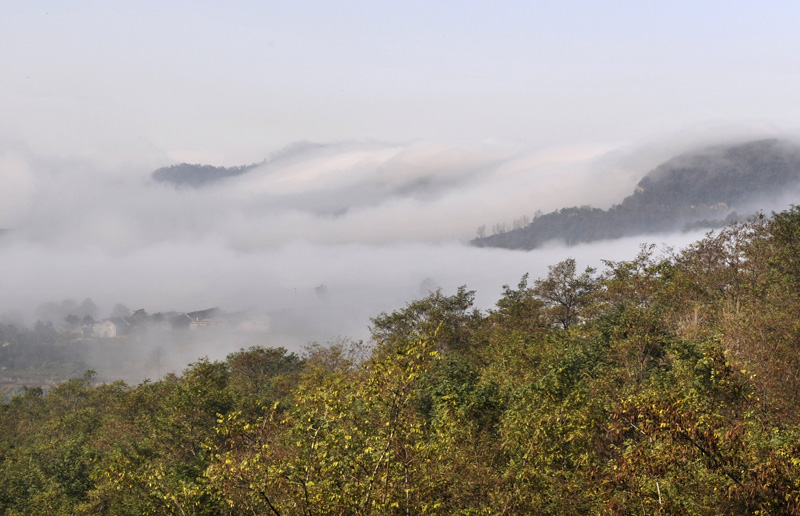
{"x":197,"y":175}
{"x":700,"y":188}
{"x":374,"y":222}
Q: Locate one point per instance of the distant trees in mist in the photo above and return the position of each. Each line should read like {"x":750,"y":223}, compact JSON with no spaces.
{"x":60,"y":311}
{"x":501,"y":227}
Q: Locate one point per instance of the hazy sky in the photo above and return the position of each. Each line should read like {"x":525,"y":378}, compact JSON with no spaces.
{"x":228,"y":82}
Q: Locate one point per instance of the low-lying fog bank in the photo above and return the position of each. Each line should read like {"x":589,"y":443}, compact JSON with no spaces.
{"x":314,"y":242}
{"x":304,"y":292}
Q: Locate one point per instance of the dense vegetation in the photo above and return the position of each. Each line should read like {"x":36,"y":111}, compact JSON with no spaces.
{"x":38,"y":355}
{"x":664,"y":384}
{"x":702,"y":188}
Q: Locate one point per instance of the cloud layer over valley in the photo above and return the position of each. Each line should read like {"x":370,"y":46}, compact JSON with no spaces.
{"x":369,"y":221}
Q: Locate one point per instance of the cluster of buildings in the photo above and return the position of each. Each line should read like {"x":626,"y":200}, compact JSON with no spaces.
{"x":140,"y":321}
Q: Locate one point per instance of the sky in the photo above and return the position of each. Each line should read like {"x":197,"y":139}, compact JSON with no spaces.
{"x":387,"y":132}
{"x":227,"y":83}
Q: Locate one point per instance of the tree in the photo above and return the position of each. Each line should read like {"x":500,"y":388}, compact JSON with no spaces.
{"x":564,"y":292}
{"x":784,"y":229}
{"x":447,"y":317}
{"x":72,"y":319}
{"x":258,"y":375}
{"x":120,"y":310}
{"x":87,"y":308}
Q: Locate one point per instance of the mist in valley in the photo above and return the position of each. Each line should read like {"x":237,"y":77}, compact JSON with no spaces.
{"x":306,"y":246}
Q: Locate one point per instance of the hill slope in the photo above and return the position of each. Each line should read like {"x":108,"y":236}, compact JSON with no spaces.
{"x":193,"y":175}
{"x":197,"y":175}
{"x":701,"y":188}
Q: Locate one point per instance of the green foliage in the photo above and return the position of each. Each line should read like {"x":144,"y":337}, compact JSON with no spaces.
{"x":450,"y":318}
{"x":565,"y":293}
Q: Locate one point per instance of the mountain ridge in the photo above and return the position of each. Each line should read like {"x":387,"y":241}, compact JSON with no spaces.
{"x":704,"y":187}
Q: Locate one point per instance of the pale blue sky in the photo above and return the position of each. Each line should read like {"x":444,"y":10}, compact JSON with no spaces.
{"x":228,"y":82}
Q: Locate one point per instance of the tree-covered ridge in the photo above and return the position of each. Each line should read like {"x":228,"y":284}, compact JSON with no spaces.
{"x":664,"y":384}
{"x":196,"y":175}
{"x":701,"y":188}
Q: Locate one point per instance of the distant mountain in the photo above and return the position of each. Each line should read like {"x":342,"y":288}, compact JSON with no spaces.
{"x":701,"y":188}
{"x":197,"y":176}
{"x":185,"y":174}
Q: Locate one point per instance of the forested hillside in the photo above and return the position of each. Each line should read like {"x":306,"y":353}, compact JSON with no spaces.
{"x":702,"y":188}
{"x":666,"y":384}
{"x":195,"y":175}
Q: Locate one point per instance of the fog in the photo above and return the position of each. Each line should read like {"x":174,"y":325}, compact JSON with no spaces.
{"x":314,"y":241}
